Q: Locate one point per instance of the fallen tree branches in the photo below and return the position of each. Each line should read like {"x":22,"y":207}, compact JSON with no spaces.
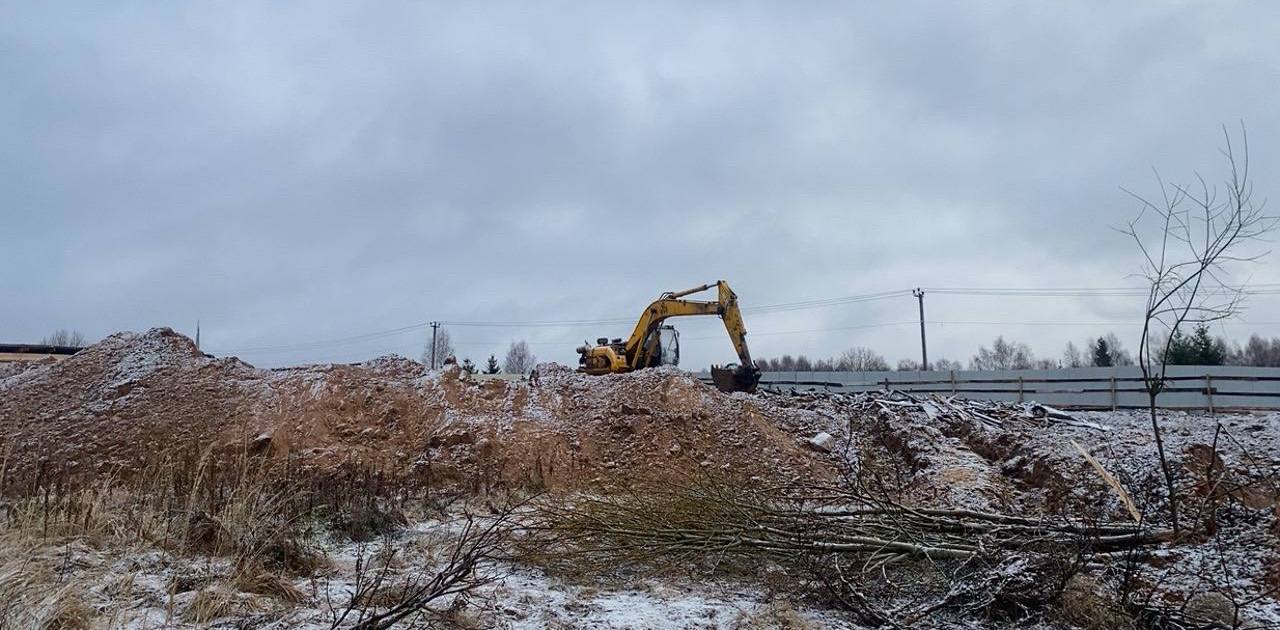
{"x":979,"y":560}
{"x":726,"y":519}
{"x":377,"y":601}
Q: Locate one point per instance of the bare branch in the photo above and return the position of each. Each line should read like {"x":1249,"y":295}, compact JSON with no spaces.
{"x":1184,"y":260}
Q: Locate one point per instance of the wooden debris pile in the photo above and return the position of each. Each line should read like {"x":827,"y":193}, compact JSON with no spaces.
{"x":725,"y":518}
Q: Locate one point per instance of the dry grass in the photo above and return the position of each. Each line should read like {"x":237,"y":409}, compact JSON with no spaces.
{"x":34,"y":593}
{"x":235,"y":531}
{"x":254,"y":578}
{"x":778,"y":615}
{"x":1083,"y":605}
{"x":209,"y":604}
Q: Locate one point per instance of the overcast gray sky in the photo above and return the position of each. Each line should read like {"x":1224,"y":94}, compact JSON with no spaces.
{"x":293,"y":174}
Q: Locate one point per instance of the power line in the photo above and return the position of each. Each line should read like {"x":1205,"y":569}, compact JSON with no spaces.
{"x":1259,"y":289}
{"x":808,"y":304}
{"x":763,"y":308}
{"x":314,"y":345}
{"x":1041,"y":292}
{"x":1081,"y":323}
{"x":818,"y":330}
{"x":768,"y":333}
{"x":566,"y":323}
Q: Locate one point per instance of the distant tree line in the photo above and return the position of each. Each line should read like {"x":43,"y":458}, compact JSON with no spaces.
{"x":519,"y":358}
{"x":855,"y":359}
{"x":64,"y":337}
{"x":1200,"y":347}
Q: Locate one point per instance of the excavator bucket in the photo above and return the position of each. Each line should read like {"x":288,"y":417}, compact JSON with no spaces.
{"x":735,"y":378}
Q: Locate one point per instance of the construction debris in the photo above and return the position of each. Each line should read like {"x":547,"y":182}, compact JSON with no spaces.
{"x":820,"y":442}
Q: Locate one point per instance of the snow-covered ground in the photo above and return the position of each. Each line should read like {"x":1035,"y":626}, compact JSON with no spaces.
{"x":152,"y":589}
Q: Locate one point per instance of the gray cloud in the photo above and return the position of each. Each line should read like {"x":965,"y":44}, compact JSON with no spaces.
{"x":291,"y":174}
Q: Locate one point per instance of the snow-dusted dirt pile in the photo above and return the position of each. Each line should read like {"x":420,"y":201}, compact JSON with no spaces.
{"x":1021,"y":459}
{"x":132,"y":400}
{"x":134,"y":397}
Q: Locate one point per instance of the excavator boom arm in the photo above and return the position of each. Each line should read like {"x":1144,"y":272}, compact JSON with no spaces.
{"x":642,"y":349}
{"x":660,"y":310}
{"x":734,"y":325}
{"x":672,"y":305}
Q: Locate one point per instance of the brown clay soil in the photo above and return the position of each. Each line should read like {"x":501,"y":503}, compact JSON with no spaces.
{"x":131,"y":398}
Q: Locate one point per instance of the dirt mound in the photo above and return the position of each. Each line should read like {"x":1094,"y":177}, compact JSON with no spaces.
{"x":119,"y":399}
{"x":132,"y":397}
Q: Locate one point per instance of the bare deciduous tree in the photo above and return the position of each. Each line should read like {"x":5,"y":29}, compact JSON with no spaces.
{"x":861,"y":359}
{"x":946,"y":365}
{"x":64,"y":337}
{"x":443,"y":347}
{"x":1261,"y":352}
{"x":1188,"y":236}
{"x":1003,"y":355}
{"x":519,"y":359}
{"x":1119,"y":356}
{"x":1071,"y":356}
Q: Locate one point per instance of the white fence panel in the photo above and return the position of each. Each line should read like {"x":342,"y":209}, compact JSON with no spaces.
{"x":1188,"y":386}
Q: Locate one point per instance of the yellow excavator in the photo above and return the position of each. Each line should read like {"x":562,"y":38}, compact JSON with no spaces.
{"x":653,"y":344}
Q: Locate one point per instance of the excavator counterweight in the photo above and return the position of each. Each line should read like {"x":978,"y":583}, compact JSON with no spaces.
{"x":652,"y":344}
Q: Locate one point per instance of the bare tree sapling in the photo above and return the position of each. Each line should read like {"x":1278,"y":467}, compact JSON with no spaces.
{"x":1188,"y":237}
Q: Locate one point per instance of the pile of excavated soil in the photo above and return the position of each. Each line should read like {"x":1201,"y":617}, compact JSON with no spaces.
{"x":132,"y":398}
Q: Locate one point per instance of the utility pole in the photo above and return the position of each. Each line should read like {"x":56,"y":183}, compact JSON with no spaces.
{"x":434,"y":326}
{"x":924,"y":347}
{"x":197,"y":334}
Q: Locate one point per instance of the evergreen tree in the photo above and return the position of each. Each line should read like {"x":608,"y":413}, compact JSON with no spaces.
{"x":1181,"y":350}
{"x":1101,"y":353}
{"x":1206,"y":349}
{"x":492,"y":366}
{"x":468,"y":366}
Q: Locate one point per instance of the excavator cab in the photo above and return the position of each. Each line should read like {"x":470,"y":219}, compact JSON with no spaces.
{"x":662,"y":347}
